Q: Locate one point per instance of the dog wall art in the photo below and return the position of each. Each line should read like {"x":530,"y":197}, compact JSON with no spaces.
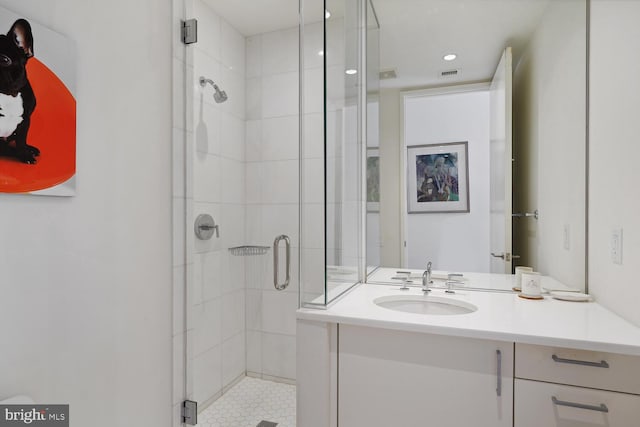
{"x":37,"y":109}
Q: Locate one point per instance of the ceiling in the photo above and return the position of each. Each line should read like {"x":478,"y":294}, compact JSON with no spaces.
{"x":415,"y":34}
{"x":252,"y":17}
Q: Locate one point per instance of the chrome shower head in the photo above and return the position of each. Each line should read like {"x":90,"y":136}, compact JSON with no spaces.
{"x":219,"y":96}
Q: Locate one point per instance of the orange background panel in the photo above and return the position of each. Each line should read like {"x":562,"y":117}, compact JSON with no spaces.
{"x":53,"y":131}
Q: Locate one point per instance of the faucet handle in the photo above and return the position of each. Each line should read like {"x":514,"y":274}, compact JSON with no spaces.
{"x":401,"y":275}
{"x":453,"y":278}
{"x":405,"y":279}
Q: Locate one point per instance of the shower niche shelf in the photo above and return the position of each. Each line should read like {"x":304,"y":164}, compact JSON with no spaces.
{"x":249,"y":250}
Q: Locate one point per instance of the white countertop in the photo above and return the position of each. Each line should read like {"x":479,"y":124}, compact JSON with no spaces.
{"x":500,"y":316}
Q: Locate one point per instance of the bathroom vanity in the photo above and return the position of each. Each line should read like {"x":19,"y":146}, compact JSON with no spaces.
{"x":511,"y":362}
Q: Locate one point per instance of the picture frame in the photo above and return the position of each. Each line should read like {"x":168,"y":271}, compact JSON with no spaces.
{"x":38,"y":145}
{"x":438,"y":178}
{"x":373,"y":180}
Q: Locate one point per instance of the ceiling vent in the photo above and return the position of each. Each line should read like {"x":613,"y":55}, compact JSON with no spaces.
{"x":388,"y":74}
{"x":449,"y":73}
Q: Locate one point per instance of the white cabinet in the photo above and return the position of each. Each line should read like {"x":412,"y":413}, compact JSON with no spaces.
{"x":560,"y":387}
{"x":393,"y":378}
{"x":356,"y":376}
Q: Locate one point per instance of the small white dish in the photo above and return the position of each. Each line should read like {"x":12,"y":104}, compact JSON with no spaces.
{"x":571,"y":296}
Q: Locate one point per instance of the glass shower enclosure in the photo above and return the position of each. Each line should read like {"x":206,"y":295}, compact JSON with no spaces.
{"x":269,"y":205}
{"x":339,"y":78}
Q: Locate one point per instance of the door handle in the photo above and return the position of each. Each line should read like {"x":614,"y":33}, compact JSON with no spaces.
{"x":276,"y":262}
{"x":533,"y":214}
{"x":505,"y":256}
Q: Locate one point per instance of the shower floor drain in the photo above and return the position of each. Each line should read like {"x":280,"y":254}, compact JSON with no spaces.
{"x":266,"y":424}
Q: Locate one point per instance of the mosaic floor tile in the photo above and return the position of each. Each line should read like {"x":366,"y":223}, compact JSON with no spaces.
{"x":251,"y":401}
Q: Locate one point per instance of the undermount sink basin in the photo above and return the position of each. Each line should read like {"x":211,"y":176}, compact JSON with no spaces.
{"x":425,"y":305}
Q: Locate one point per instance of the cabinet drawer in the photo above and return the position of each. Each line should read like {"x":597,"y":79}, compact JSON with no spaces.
{"x":606,"y":371}
{"x":534,"y":406}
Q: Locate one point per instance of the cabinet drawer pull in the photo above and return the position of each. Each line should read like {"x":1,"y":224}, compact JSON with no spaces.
{"x":601,"y":408}
{"x":499,"y":373}
{"x":601,"y":364}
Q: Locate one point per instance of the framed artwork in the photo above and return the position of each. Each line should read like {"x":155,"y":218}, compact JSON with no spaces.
{"x":37,"y":108}
{"x":438,"y":178}
{"x":373,"y":180}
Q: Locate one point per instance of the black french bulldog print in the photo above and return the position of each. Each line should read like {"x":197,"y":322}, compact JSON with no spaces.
{"x":17,"y":100}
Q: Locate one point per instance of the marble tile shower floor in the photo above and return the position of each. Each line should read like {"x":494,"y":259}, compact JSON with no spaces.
{"x":251,"y":401}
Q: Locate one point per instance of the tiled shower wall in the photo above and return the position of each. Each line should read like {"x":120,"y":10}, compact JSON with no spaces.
{"x":272,"y":154}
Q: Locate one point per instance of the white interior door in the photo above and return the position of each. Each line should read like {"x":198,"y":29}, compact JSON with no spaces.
{"x":500,"y":165}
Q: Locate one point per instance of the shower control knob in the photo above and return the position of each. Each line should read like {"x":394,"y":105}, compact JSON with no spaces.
{"x":205,"y":226}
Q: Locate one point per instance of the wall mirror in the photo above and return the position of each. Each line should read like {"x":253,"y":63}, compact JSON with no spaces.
{"x":476,"y":148}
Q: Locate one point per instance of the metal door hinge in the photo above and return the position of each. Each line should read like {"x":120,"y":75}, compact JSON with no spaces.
{"x":190,"y":412}
{"x":190,"y":31}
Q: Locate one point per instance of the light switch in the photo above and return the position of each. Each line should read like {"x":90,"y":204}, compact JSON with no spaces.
{"x":616,"y":246}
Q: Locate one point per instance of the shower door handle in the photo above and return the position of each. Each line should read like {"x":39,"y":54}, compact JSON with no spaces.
{"x":276,"y":262}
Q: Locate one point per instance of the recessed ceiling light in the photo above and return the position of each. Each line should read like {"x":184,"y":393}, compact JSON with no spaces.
{"x":450,"y":57}
{"x":321,"y":53}
{"x":327,"y":14}
{"x":351,"y":71}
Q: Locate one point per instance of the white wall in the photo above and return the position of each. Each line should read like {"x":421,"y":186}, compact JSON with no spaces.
{"x":86,"y":281}
{"x":614,"y":174}
{"x":452,"y":241}
{"x":272,"y":156}
{"x":549,"y":144}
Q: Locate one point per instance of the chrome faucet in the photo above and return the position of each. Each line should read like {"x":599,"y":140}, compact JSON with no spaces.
{"x":426,"y":278}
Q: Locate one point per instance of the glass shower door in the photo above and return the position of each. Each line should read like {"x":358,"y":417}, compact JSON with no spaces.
{"x":240,"y":197}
